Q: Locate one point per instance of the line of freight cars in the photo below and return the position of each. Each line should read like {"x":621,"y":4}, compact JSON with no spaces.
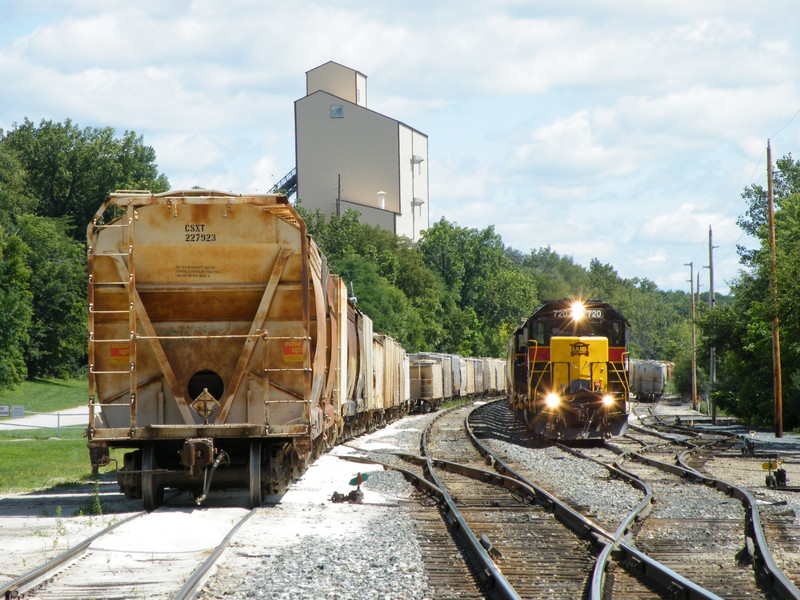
{"x":436,"y":378}
{"x":222,"y":351}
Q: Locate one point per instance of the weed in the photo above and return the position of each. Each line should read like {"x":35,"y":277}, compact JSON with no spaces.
{"x":61,"y":527}
{"x":94,"y":505}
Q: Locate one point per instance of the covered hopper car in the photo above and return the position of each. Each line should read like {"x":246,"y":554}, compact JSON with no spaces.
{"x":649,"y":378}
{"x":567,"y":370}
{"x":222,"y":351}
{"x":436,"y":378}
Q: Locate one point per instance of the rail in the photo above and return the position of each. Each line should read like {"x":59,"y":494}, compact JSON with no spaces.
{"x":28,"y":580}
{"x":613,"y":543}
{"x":193,"y":584}
{"x":770,"y":571}
{"x":499,"y":584}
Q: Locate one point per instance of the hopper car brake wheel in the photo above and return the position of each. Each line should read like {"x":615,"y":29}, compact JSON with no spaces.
{"x":152,"y":493}
{"x":254,"y":474}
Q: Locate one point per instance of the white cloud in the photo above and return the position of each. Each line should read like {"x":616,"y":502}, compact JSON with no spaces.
{"x":265,"y":174}
{"x":618,"y":131}
{"x":573,"y":144}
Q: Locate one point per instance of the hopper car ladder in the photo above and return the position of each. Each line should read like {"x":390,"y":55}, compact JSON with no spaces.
{"x":123,"y":224}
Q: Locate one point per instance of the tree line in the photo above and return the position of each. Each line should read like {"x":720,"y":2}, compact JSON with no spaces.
{"x":741,"y":330}
{"x":53,"y":177}
{"x":458,"y":289}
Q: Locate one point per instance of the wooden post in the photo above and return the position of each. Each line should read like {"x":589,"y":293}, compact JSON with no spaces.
{"x":694,"y":349}
{"x":712,"y":367}
{"x":773,"y":292}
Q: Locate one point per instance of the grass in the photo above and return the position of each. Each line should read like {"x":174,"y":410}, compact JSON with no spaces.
{"x":47,"y":395}
{"x":31,"y":459}
{"x":39,"y":464}
{"x":32,"y":433}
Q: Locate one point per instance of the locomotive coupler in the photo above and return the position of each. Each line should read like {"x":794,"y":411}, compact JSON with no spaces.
{"x":197,"y":454}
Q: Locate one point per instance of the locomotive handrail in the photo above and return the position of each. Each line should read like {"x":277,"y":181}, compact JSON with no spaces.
{"x":548,"y":368}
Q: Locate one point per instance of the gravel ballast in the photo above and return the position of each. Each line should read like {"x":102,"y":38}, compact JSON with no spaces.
{"x":309,"y":547}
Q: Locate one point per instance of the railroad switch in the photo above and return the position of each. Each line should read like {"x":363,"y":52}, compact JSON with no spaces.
{"x":356,"y":496}
{"x":748,"y":446}
{"x":777,"y":474}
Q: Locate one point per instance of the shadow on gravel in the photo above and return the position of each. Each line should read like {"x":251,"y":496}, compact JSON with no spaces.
{"x":495,"y":421}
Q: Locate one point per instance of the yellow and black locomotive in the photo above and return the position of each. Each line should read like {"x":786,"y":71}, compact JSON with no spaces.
{"x":567,"y":368}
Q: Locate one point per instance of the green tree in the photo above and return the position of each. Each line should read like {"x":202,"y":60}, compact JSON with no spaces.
{"x":70,"y":171}
{"x":648,"y":309}
{"x":555,"y":276}
{"x":482,"y":279}
{"x":390,"y":310}
{"x":15,"y":308}
{"x":57,"y":332}
{"x":742,"y":330}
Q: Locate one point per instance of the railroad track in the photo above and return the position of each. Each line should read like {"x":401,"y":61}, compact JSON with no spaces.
{"x":774,"y":536}
{"x":148,"y":555}
{"x":620,"y":571}
{"x":450,"y":576}
{"x":674,"y":585}
{"x":697,"y":531}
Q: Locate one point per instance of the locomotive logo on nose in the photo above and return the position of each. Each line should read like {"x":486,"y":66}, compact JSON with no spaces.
{"x":579,"y":349}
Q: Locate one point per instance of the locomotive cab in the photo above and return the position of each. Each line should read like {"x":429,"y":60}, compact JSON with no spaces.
{"x":568,"y":363}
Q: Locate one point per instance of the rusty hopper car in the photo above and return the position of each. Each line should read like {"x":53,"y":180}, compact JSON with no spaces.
{"x":222,"y":353}
{"x":567,"y":370}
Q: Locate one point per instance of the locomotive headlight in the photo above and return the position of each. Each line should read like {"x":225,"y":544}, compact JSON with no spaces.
{"x":578,"y":311}
{"x":608,"y":400}
{"x":552,"y":400}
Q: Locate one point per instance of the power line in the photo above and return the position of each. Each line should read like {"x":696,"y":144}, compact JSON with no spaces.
{"x":786,"y":125}
{"x":732,"y":247}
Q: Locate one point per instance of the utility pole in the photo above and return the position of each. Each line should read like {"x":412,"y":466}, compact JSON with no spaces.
{"x":694,"y":334}
{"x":339,"y":197}
{"x":773,"y":292}
{"x":694,"y":350}
{"x":712,"y":367}
{"x":697,"y":303}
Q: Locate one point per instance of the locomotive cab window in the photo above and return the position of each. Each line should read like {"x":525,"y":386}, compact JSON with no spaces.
{"x":539,"y":333}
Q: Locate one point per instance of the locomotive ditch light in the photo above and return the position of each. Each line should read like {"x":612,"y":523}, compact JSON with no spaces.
{"x":608,"y":400}
{"x":578,"y":311}
{"x":552,"y":400}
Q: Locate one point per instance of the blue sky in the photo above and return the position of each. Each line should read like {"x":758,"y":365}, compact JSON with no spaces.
{"x":619,"y":130}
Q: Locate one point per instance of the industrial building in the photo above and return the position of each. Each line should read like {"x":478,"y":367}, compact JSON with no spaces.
{"x":349,"y":156}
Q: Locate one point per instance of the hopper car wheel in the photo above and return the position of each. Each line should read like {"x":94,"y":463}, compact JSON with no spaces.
{"x":254,"y":470}
{"x":152,"y":493}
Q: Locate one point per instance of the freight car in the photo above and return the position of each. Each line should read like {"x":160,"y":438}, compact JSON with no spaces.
{"x":567,"y":370}
{"x":436,"y":378}
{"x":217,"y":338}
{"x":222,"y":351}
{"x":649,"y":378}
